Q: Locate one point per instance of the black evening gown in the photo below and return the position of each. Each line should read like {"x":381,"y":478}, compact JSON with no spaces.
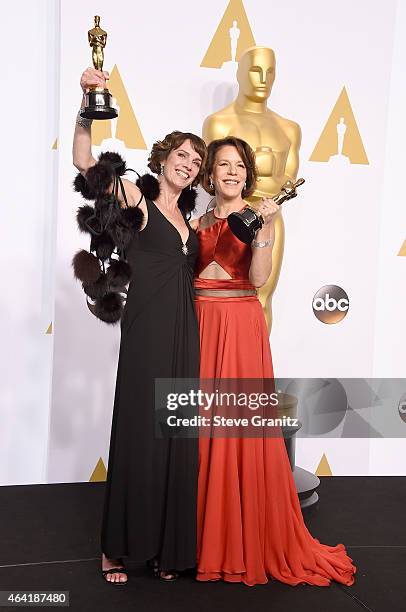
{"x":151,"y":489}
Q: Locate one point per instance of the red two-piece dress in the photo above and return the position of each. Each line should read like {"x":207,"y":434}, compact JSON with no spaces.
{"x":250,"y":524}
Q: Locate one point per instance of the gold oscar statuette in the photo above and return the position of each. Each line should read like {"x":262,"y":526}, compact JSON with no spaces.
{"x":98,"y":103}
{"x":245,"y":224}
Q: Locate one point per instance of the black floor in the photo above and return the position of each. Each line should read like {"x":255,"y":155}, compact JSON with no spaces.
{"x":49,"y":540}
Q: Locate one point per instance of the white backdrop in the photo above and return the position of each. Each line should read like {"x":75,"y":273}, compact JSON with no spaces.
{"x":29,"y":48}
{"x":346,"y":227}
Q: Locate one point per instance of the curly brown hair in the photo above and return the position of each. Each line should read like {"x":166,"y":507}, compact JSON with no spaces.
{"x":247,"y":155}
{"x":161,"y":149}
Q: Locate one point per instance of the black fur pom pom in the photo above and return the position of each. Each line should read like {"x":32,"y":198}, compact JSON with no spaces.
{"x":149,"y":186}
{"x":102,"y":245}
{"x":187,"y":200}
{"x":118,"y":274}
{"x":108,"y":308}
{"x":97,"y":289}
{"x":132,"y":217}
{"x":81,"y":185}
{"x":84,"y":213}
{"x":115,"y":160}
{"x":86,"y":267}
{"x":99,"y":178}
{"x":121,"y":236}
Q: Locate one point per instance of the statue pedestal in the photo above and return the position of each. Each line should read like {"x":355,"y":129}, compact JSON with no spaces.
{"x":306,"y":482}
{"x":306,"y":485}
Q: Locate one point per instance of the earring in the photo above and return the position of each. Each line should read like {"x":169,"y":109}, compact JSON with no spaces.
{"x":211,"y":184}
{"x":162,"y":169}
{"x":190,"y":187}
{"x":245,"y":185}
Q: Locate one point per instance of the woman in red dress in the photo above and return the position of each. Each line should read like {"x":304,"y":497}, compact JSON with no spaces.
{"x":250,"y":524}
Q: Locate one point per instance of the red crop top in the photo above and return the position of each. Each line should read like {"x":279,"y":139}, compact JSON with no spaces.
{"x":218,"y":243}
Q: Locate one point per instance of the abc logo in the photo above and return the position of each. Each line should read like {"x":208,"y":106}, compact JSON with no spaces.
{"x":330,"y":304}
{"x":402,"y":408}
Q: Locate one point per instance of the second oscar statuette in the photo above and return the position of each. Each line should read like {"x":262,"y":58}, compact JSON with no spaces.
{"x":245,"y":224}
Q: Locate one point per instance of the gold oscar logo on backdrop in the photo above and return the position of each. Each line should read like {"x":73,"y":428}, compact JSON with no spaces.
{"x":402,"y":252}
{"x":99,"y":473}
{"x":233,"y":36}
{"x":324,"y":469}
{"x":125,"y":127}
{"x":340,"y":141}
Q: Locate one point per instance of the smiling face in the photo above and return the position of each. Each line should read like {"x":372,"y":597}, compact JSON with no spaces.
{"x":229,"y":173}
{"x":182,"y":165}
{"x":256,"y":73}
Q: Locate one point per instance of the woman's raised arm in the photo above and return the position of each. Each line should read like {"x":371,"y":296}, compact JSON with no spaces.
{"x":82,"y":140}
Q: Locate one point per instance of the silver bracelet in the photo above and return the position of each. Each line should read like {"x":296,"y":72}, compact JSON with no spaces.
{"x":82,"y":121}
{"x":261,"y":244}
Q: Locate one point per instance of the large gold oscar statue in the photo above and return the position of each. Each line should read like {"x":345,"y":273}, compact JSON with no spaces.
{"x":275,"y":140}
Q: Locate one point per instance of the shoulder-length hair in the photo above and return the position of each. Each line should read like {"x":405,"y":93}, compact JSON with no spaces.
{"x":247,"y":155}
{"x":161,"y":149}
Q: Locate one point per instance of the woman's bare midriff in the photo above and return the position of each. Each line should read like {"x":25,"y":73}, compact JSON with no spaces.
{"x":215,"y":272}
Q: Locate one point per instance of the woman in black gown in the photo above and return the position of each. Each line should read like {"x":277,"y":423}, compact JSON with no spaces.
{"x":150,"y":502}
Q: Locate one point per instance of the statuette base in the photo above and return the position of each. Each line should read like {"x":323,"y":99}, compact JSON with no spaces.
{"x":98,"y":105}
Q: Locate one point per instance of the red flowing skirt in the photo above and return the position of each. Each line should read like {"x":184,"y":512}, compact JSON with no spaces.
{"x":250,"y":524}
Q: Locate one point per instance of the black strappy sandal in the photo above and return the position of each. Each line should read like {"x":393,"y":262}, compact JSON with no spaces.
{"x":115,"y":570}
